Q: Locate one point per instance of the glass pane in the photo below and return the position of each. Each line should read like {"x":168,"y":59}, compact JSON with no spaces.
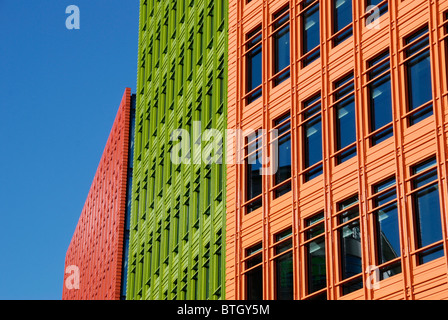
{"x":419,"y":80}
{"x":254,"y":284}
{"x":284,"y":153}
{"x":313,"y":141}
{"x":431,"y":254}
{"x":284,"y":277}
{"x":281,"y":49}
{"x":310,"y":29}
{"x":424,"y":179}
{"x":342,"y":14}
{"x":345,"y":123}
{"x":352,"y":286}
{"x":253,"y":166}
{"x":254,"y":63}
{"x":380,"y":103}
{"x":427,"y":216}
{"x":316,"y":265}
{"x":387,"y":234}
{"x":350,"y":248}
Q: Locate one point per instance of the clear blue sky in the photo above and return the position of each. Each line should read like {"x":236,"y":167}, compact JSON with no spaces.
{"x":59,"y":92}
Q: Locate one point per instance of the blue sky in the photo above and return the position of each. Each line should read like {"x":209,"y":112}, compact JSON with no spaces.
{"x":59,"y":92}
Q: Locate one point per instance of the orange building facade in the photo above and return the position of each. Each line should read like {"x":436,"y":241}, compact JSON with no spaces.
{"x":358,"y":205}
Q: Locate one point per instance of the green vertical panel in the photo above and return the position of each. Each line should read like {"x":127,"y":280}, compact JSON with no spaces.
{"x":178,"y":212}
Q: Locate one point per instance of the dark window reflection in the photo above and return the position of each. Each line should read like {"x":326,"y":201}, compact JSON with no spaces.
{"x":254,"y":277}
{"x":426,"y":208}
{"x":283,"y":172}
{"x":284,"y":271}
{"x":418,"y":70}
{"x":281,"y":45}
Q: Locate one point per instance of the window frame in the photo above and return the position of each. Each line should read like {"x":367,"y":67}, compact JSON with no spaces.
{"x":280,"y":75}
{"x":374,"y":219}
{"x":251,"y":95}
{"x":427,"y":108}
{"x":285,"y":186}
{"x":306,"y":171}
{"x":337,"y":230}
{"x":343,"y":154}
{"x":381,"y":134}
{"x":248,"y":256}
{"x":306,"y":240}
{"x":311,"y":55}
{"x":418,"y":250}
{"x":344,"y":33}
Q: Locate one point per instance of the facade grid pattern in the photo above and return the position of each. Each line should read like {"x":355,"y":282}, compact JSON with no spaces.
{"x":177,"y":226}
{"x":362,"y":161}
{"x":96,"y":248}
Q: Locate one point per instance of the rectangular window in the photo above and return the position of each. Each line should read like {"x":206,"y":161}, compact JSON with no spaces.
{"x":253,"y":165}
{"x":283,"y":264}
{"x":349,"y":245}
{"x":426,"y":210}
{"x":281,"y":46}
{"x":312,"y":138}
{"x":380,"y":99}
{"x":253,"y":65}
{"x":254,"y":273}
{"x":387,"y":235}
{"x":342,"y":20}
{"x":310,"y":31}
{"x":316,"y":269}
{"x":418,"y":76}
{"x":345,"y":121}
{"x":282,"y":177}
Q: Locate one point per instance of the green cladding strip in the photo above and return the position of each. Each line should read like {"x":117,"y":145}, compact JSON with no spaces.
{"x":177,"y":236}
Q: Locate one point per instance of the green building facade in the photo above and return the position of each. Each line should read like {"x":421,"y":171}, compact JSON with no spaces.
{"x":177,"y":227}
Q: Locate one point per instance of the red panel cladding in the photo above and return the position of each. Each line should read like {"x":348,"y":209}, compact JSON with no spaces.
{"x":97,"y":244}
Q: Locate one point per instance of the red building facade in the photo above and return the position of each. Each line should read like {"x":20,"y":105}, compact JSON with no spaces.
{"x":94,"y":259}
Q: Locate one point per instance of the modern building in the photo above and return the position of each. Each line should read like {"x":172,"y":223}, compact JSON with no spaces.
{"x":177,"y":227}
{"x":94,"y":263}
{"x":354,"y":105}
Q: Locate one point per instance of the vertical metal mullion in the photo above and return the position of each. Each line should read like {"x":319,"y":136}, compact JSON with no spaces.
{"x":266,"y":56}
{"x":238,"y":281}
{"x":360,"y":143}
{"x":398,"y":83}
{"x":437,"y":49}
{"x":325,"y":31}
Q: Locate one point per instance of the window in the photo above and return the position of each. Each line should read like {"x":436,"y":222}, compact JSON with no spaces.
{"x":345,"y":122}
{"x":283,"y":264}
{"x":282,"y":177}
{"x":418,"y":76}
{"x":386,"y":236}
{"x":312,"y":138}
{"x":426,"y":210}
{"x":342,"y":20}
{"x":380,"y":99}
{"x":281,"y":46}
{"x":254,"y":273}
{"x":253,"y":65}
{"x":253,"y":164}
{"x":316,"y":270}
{"x":310,"y":31}
{"x":349,"y":246}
